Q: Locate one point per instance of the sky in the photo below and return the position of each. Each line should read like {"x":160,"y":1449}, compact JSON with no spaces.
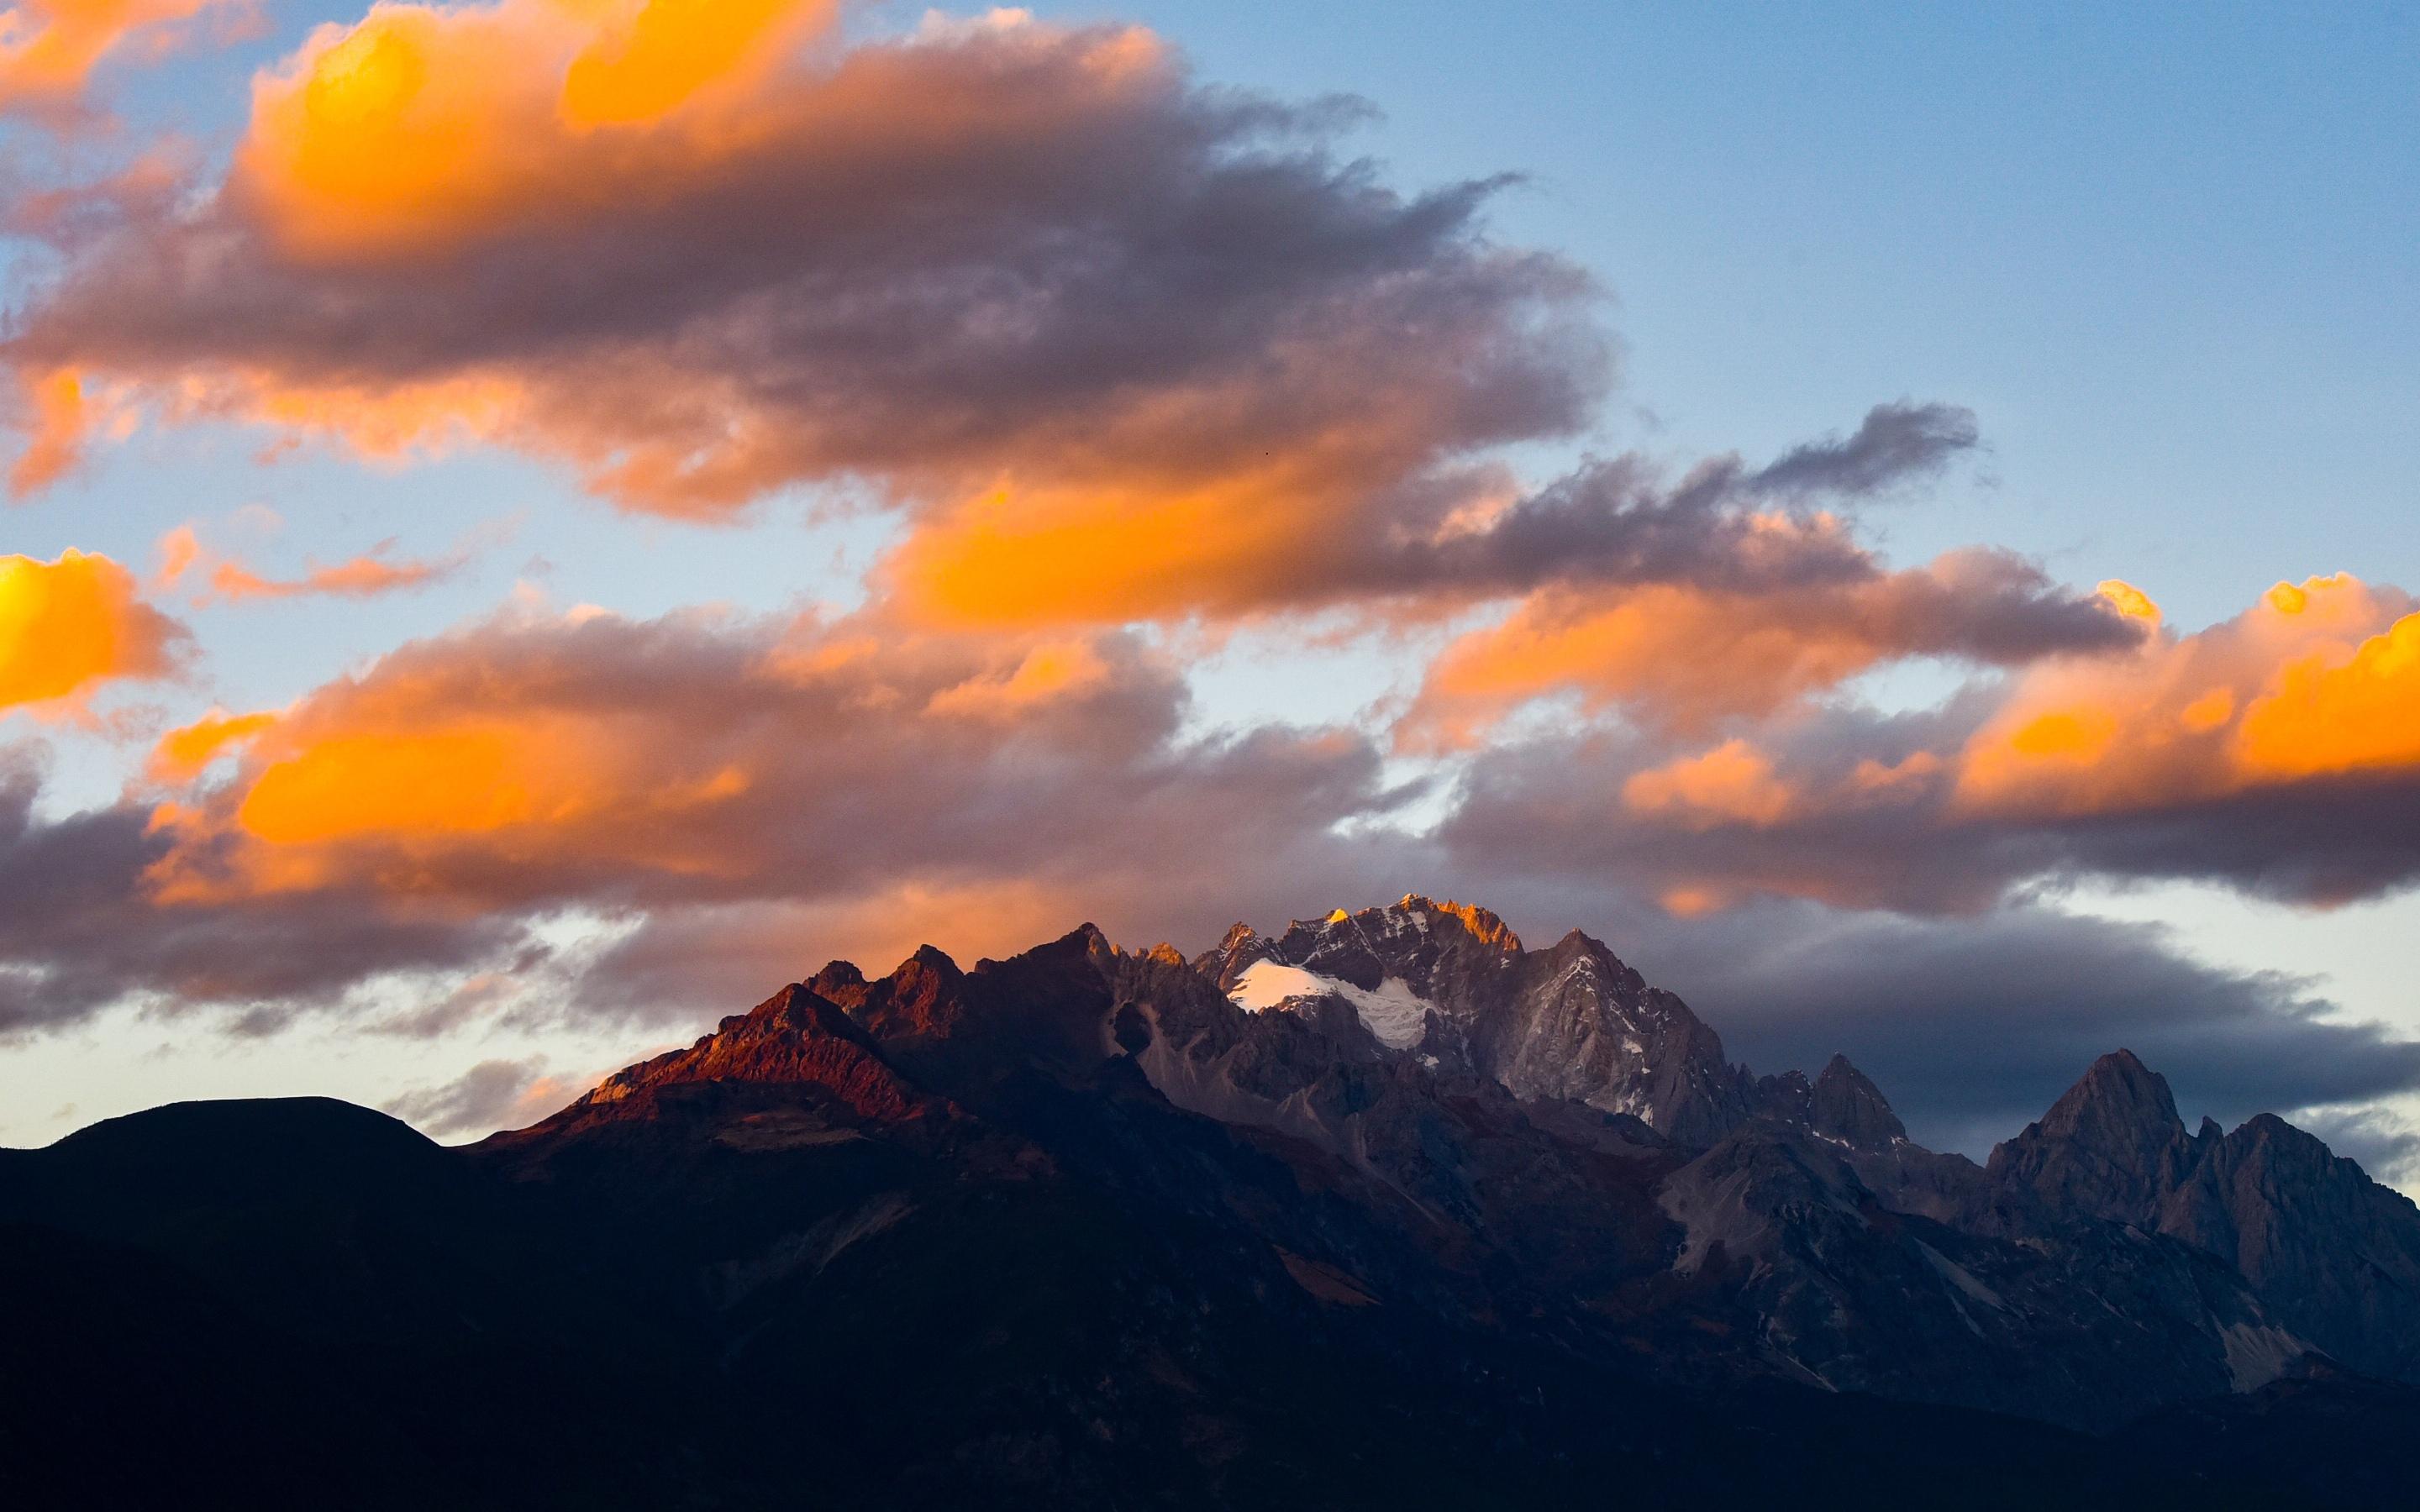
{"x":532,"y":525}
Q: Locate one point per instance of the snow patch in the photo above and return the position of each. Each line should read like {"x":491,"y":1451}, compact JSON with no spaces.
{"x":2256,"y":1356}
{"x":1397,"y":1015}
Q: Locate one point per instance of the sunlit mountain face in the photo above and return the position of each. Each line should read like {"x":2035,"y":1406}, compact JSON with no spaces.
{"x":534,"y":523}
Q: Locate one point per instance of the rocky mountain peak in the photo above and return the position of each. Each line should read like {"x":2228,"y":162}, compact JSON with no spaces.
{"x":1451,"y":982}
{"x":924,"y":994}
{"x":2120,"y":1111}
{"x":2116,"y":1095}
{"x":2110,"y":1147}
{"x":1845,"y":1105}
{"x":1481,"y":924}
{"x":796,"y":1038}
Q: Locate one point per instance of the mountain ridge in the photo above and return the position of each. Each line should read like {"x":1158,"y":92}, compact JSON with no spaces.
{"x":1505,"y":1218}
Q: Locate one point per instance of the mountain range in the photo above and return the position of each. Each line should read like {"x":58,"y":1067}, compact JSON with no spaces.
{"x":1386,"y":1210}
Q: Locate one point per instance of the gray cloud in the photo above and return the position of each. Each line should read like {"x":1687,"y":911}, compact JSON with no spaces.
{"x":78,"y":930}
{"x":1973,"y":1027}
{"x":2385,"y":1145}
{"x":480,"y":1101}
{"x":1895,"y":444}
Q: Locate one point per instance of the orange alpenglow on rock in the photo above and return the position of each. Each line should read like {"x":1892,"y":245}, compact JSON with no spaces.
{"x":71,"y":625}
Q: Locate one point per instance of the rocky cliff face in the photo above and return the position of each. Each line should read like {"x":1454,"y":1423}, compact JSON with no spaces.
{"x":2331,"y":1254}
{"x":1452,"y":983}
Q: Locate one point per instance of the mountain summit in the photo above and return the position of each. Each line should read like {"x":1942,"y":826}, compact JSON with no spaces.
{"x":1382,"y":1209}
{"x":1454,"y":984}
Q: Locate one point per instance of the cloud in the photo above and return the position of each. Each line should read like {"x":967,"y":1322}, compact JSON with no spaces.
{"x":1687,"y":656}
{"x":185,"y":753}
{"x":431,"y":817}
{"x":70,"y":625}
{"x":56,"y":419}
{"x":1731,"y":783}
{"x":1973,"y":1027}
{"x":2276,"y":753}
{"x":80,"y":928}
{"x":1431,"y":543}
{"x":1895,"y":444}
{"x":369,"y":576}
{"x":726,"y":802}
{"x":2381,"y":1140}
{"x":1113,"y":346}
{"x":1016,"y":259}
{"x":491,"y":1095}
{"x":1119,"y":345}
{"x":50,"y":48}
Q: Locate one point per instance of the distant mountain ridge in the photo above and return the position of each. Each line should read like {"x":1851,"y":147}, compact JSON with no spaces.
{"x":1384,"y":1209}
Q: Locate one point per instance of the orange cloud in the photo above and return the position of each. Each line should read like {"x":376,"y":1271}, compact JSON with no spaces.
{"x":554,"y":753}
{"x":373,"y":573}
{"x":1055,"y":670}
{"x":995,"y":274}
{"x":1024,"y":557}
{"x":2278,"y":751}
{"x":469,"y":780}
{"x":1733,"y":784}
{"x":652,"y":59}
{"x":2317,"y":678}
{"x":180,"y":550}
{"x":1689,"y":656}
{"x":70,"y":625}
{"x":362,"y":576}
{"x":183,"y":753}
{"x":49,"y":48}
{"x":2338,"y":709}
{"x":418,"y":126}
{"x":380,"y":787}
{"x":60,"y":419}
